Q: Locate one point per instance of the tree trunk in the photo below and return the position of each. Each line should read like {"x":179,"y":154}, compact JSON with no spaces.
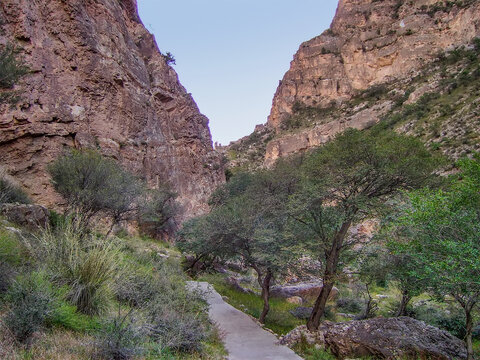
{"x":402,"y":309}
{"x":469,"y":331}
{"x":265,"y":284}
{"x":329,"y":275}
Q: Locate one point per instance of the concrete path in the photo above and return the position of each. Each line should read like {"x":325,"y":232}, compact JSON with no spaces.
{"x":243,"y":338}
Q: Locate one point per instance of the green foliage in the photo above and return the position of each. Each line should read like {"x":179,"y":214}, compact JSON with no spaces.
{"x":11,"y":248}
{"x":31,"y":303}
{"x":121,"y":338}
{"x":451,"y":320}
{"x":11,"y":193}
{"x":169,"y":59}
{"x":12,"y":68}
{"x":135,"y":286}
{"x":310,"y":352}
{"x":67,"y":316}
{"x":351,"y":304}
{"x":279,"y":318}
{"x":157,"y":209}
{"x":92,"y":183}
{"x":82,"y":262}
{"x":351,"y":176}
{"x":247,"y":222}
{"x":439,"y":230}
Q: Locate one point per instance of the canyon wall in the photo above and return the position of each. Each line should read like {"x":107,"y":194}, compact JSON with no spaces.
{"x":372,"y":42}
{"x":98,"y":80}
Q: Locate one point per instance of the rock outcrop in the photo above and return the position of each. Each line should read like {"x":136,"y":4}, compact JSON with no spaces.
{"x":372,"y":42}
{"x":357,"y":72}
{"x":381,"y":338}
{"x":98,"y":80}
{"x":29,"y":215}
{"x":306,"y":291}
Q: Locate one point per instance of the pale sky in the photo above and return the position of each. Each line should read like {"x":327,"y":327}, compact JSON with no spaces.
{"x":231,"y":54}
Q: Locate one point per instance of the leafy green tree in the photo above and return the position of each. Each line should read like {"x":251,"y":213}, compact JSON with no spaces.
{"x":344,"y":181}
{"x":156,"y":210}
{"x":92,"y":184}
{"x":441,"y":233}
{"x":248,"y":222}
{"x":11,"y":70}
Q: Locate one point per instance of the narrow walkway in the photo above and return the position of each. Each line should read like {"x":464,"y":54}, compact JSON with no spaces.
{"x":243,"y":338}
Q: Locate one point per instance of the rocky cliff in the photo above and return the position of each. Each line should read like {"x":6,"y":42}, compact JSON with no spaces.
{"x":372,"y":42}
{"x":413,"y":65}
{"x":99,"y":80}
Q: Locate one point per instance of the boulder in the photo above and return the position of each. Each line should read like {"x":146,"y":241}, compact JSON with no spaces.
{"x":307,"y":291}
{"x":295,"y":300}
{"x":233,"y":282}
{"x":382,"y":338}
{"x":29,"y":215}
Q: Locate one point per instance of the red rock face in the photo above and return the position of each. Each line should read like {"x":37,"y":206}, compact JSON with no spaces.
{"x":99,"y":80}
{"x":372,"y":42}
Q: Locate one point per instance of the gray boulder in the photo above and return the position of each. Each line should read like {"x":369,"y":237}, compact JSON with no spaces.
{"x":382,"y":338}
{"x":306,"y":290}
{"x":28,"y":215}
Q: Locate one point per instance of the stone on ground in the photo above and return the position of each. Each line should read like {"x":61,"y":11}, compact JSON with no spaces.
{"x":382,"y":338}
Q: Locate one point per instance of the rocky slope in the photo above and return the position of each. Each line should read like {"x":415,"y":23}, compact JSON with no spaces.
{"x":98,"y":80}
{"x":376,"y":62}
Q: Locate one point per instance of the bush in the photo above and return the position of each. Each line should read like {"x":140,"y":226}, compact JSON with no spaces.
{"x":7,"y":274}
{"x":31,"y":303}
{"x":350,"y":304}
{"x":91,"y":183}
{"x":177,"y":318}
{"x":85,"y":264}
{"x":11,"y":193}
{"x":120,"y":339}
{"x":12,"y":68}
{"x":135,"y":288}
{"x":156,"y":211}
{"x":452,"y":320}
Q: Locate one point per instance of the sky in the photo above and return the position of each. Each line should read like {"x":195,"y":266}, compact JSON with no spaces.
{"x":231,"y":54}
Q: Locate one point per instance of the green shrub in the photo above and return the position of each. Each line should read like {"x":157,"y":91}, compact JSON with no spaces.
{"x":177,"y":318}
{"x":11,"y":193}
{"x":121,"y":338}
{"x":67,"y":316}
{"x":11,"y":249}
{"x":135,"y":287}
{"x":350,"y":304}
{"x":91,"y":183}
{"x":12,"y":68}
{"x":85,"y":264}
{"x":452,"y":320}
{"x":7,"y":274}
{"x":30,"y":303}
{"x":177,"y":331}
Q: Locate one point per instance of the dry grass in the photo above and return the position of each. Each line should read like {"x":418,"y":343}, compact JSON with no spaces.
{"x":53,"y":345}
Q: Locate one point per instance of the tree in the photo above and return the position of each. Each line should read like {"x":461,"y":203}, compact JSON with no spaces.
{"x":11,"y":70}
{"x":169,"y":58}
{"x":248,"y":222}
{"x":440,"y":231}
{"x":92,"y":184}
{"x":156,"y":210}
{"x":344,"y":181}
